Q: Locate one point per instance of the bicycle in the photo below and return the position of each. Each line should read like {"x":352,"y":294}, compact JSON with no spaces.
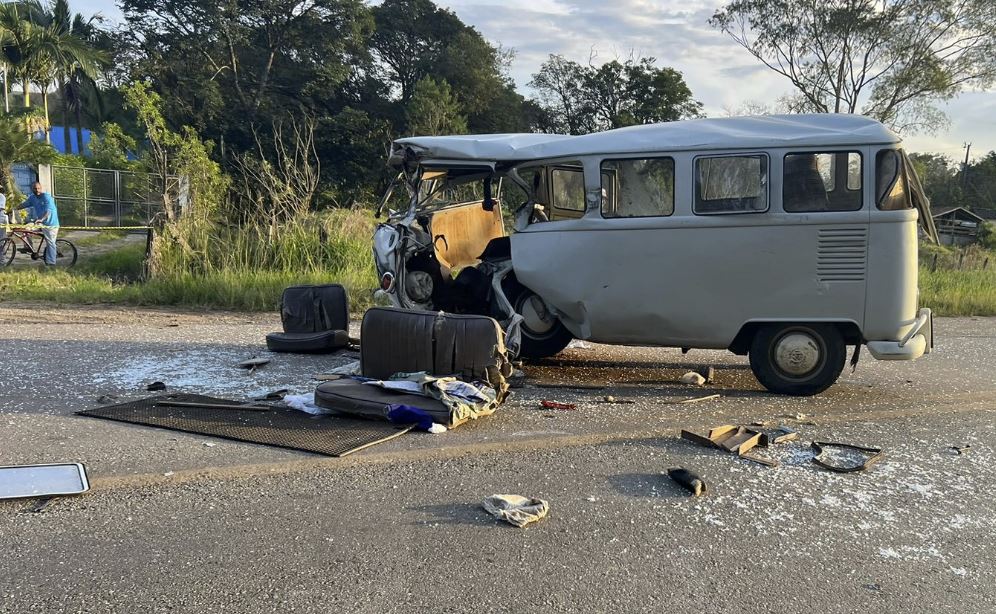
{"x":33,"y":243}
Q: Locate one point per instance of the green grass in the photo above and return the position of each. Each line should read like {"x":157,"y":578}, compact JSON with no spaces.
{"x":243,"y":269}
{"x":91,"y":239}
{"x":959,"y":293}
{"x":243,"y":291}
{"x":123,"y":264}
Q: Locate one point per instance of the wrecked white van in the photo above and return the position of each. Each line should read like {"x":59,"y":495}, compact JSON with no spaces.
{"x":785,"y":238}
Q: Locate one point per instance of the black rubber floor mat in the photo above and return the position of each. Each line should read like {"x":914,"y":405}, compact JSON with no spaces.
{"x":283,"y":428}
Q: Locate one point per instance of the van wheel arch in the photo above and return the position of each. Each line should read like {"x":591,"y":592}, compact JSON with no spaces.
{"x":741,"y":343}
{"x":535,"y":345}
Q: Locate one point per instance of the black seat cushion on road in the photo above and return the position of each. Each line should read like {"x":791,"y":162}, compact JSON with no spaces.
{"x":470,"y":347}
{"x":313,"y":309}
{"x":307,"y":343}
{"x":350,"y":397}
{"x":315,"y":319}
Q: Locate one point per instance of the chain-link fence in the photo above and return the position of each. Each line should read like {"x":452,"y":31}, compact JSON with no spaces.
{"x":98,"y":197}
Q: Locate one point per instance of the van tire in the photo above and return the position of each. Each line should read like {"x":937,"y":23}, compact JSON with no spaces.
{"x":797,"y":359}
{"x":535,"y":344}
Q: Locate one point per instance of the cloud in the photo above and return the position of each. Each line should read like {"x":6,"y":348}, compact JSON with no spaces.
{"x":719,"y":72}
{"x":676,"y":32}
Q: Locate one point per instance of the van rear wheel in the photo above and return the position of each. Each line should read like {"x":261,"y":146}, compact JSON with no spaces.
{"x":797,"y":359}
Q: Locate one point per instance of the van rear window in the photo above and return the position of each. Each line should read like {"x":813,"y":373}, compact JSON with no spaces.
{"x":731,"y":184}
{"x":816,"y":181}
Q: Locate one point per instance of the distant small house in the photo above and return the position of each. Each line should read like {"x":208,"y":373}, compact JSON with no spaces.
{"x":957,"y":226}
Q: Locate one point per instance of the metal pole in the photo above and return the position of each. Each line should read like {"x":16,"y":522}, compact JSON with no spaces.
{"x":146,"y":268}
{"x":86,"y":205}
{"x":964,"y":170}
{"x":117,"y":198}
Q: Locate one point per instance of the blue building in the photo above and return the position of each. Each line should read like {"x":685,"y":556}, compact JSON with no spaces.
{"x":59,"y":142}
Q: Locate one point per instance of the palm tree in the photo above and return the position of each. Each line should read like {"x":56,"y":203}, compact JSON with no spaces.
{"x":65,"y":54}
{"x":77,"y":84}
{"x":21,"y":35}
{"x":46,"y":45}
{"x":16,"y":145}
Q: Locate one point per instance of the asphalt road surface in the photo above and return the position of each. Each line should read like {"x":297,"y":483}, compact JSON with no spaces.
{"x":174,"y":525}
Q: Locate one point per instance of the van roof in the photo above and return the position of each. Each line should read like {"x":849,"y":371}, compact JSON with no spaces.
{"x":812,"y":130}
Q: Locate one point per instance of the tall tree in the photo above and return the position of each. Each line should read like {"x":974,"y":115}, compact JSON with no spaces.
{"x":563,"y":96}
{"x":433,"y":110}
{"x":980,"y":182}
{"x":64,"y":53}
{"x":230,"y":64}
{"x":939,"y":177}
{"x":415,"y":39}
{"x":78,"y":57}
{"x":581,"y":99}
{"x":889,"y":59}
{"x":411,"y":38}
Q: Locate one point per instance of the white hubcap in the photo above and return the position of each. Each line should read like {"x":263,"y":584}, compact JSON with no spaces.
{"x":535,"y":315}
{"x":797,"y":354}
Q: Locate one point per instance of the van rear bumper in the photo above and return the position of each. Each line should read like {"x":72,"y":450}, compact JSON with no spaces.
{"x":917,"y":342}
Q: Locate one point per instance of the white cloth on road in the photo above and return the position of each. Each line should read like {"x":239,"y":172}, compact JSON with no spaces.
{"x":305,"y":403}
{"x":516,"y":509}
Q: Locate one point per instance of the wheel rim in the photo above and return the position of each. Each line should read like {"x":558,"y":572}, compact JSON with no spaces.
{"x":536,"y":318}
{"x":7,"y":252}
{"x":65,"y":254}
{"x":798,"y":354}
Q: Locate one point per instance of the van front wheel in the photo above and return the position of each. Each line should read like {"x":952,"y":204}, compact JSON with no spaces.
{"x":542,"y":333}
{"x":797,"y":359}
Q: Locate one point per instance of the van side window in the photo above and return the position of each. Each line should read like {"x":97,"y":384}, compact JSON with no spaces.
{"x":890,"y":181}
{"x":638,"y":188}
{"x":731,"y":184}
{"x":822,"y":182}
{"x":568,"y":188}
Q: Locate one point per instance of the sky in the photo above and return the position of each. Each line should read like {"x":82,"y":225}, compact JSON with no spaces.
{"x":721,"y":74}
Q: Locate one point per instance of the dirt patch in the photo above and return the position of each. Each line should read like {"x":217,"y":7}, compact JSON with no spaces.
{"x":47,"y":313}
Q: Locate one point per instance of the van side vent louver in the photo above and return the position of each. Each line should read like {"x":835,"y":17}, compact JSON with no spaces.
{"x":842,"y":254}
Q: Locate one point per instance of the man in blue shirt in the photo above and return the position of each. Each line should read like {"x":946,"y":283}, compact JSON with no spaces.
{"x":3,"y":217}
{"x":42,"y":210}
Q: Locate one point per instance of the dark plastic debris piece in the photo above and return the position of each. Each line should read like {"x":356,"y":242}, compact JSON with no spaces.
{"x":688,"y":480}
{"x":875,"y":455}
{"x":778,"y":435}
{"x":273,"y":395}
{"x":709,"y":373}
{"x":254,"y":363}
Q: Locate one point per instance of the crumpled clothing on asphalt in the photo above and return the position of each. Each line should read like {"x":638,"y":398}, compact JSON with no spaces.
{"x":305,"y":403}
{"x":406,"y":414}
{"x":516,"y":509}
{"x":466,"y":401}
